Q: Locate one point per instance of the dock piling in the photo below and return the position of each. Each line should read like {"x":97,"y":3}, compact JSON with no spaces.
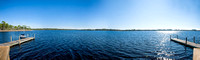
{"x":186,"y":40}
{"x":10,"y":38}
{"x":34,"y":35}
{"x":194,"y":39}
{"x":19,"y":40}
{"x":170,"y":37}
{"x":177,"y":36}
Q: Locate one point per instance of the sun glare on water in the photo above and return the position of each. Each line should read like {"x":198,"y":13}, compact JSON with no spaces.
{"x":167,"y":32}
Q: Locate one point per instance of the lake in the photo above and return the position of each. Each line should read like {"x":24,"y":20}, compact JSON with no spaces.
{"x":90,"y":45}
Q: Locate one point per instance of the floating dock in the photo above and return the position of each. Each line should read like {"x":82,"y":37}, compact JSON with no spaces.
{"x":185,"y":42}
{"x":17,"y":42}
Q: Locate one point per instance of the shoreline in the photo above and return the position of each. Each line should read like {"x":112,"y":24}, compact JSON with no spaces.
{"x":13,"y":30}
{"x":104,"y":29}
{"x":94,"y":30}
{"x":114,"y":30}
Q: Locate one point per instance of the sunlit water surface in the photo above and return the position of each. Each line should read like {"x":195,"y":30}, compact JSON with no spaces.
{"x":66,"y":44}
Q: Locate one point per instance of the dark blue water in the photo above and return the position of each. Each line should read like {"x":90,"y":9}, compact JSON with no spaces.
{"x":89,"y":45}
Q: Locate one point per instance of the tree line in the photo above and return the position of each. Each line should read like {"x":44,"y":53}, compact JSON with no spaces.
{"x":6,"y":26}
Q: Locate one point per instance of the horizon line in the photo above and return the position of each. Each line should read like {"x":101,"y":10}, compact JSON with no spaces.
{"x":127,"y":29}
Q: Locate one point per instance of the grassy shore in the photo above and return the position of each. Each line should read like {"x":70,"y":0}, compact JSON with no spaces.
{"x":13,"y":30}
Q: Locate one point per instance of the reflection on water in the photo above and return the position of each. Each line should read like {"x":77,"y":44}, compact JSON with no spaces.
{"x":62,"y":44}
{"x":168,"y":32}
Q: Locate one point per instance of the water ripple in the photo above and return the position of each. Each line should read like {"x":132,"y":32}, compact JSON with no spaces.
{"x":95,"y":45}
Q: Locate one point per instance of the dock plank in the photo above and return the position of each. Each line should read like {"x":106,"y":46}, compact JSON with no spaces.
{"x":4,"y":53}
{"x":196,"y":54}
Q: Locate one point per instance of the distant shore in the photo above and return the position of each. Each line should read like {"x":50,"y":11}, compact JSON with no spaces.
{"x":13,"y":30}
{"x":120,"y":29}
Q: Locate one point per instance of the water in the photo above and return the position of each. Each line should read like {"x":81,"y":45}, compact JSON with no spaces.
{"x":89,"y":45}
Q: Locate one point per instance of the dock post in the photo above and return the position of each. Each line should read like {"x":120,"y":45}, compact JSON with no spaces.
{"x":194,"y":39}
{"x":177,"y":36}
{"x":186,"y":40}
{"x":170,"y":37}
{"x":34,"y":35}
{"x":11,"y":38}
{"x":19,"y":40}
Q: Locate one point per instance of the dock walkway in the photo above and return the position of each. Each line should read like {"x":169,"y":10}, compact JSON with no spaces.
{"x":17,"y":42}
{"x":186,"y":43}
{"x":196,"y":54}
{"x":4,"y":53}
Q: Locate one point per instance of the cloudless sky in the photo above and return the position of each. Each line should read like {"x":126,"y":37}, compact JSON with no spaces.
{"x":116,"y":14}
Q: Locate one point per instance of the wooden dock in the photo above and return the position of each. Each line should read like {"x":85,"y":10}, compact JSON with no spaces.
{"x":17,"y":42}
{"x":5,"y":47}
{"x":186,"y":43}
{"x":196,"y":50}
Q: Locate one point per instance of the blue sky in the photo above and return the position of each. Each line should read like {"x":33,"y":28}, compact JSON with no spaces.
{"x":116,"y":14}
